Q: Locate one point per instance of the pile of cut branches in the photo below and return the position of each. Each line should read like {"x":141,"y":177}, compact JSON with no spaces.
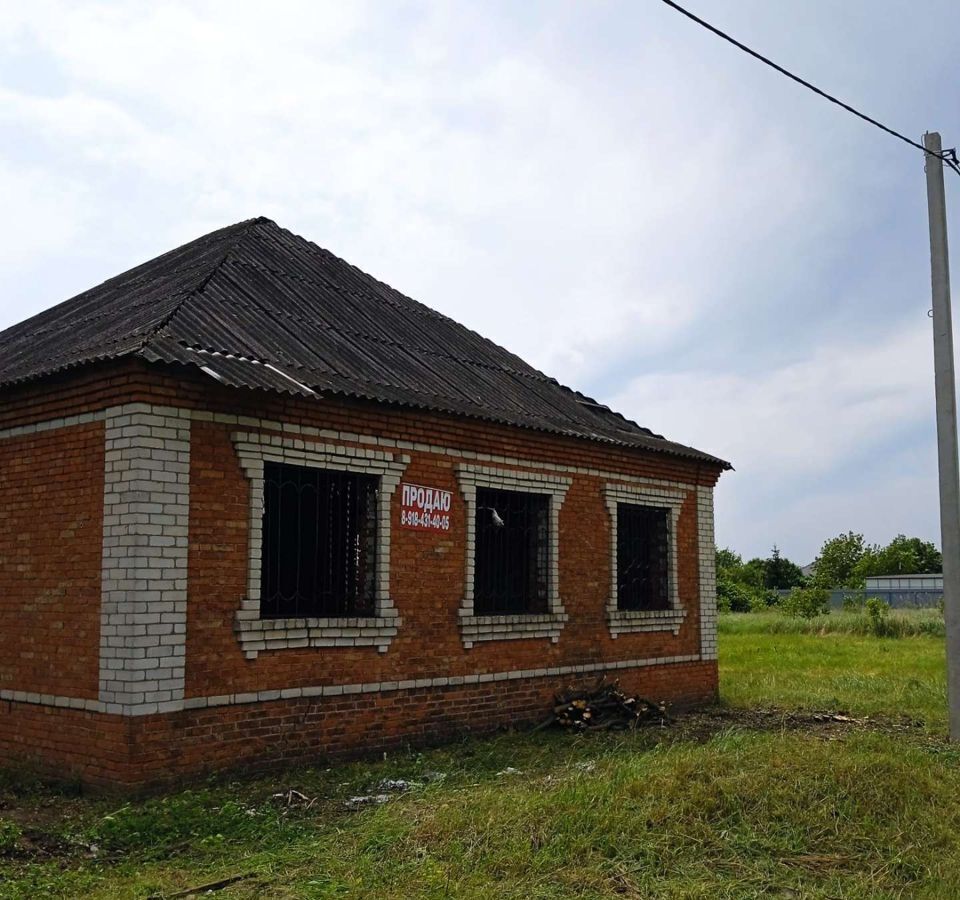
{"x":605,"y":706}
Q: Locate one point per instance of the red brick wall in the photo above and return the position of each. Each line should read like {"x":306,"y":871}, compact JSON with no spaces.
{"x":51,"y":533}
{"x":427,"y":580}
{"x":68,"y":744}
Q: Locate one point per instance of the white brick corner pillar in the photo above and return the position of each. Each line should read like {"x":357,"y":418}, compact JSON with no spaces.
{"x":143,"y":600}
{"x":707,"y":551}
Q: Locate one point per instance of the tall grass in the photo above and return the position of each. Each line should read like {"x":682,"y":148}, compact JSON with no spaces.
{"x":897,"y":624}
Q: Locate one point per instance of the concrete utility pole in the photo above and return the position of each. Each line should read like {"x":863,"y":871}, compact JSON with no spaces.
{"x":946,"y":421}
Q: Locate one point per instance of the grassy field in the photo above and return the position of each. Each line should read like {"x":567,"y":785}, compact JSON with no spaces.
{"x":771,"y":795}
{"x":770,"y":660}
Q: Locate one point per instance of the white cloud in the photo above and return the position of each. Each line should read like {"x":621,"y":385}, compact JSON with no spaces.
{"x":800,"y":417}
{"x":788,"y":430}
{"x":43,"y":214}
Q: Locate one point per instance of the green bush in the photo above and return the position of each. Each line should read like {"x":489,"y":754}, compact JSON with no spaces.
{"x":772,"y":598}
{"x":854,"y":601}
{"x":878,"y":613}
{"x":732,"y":596}
{"x":806,"y":602}
{"x":735,"y":596}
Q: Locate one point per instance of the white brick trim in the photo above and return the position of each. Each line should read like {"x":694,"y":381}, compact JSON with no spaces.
{"x":52,"y":424}
{"x":143,"y":594}
{"x":474,"y":628}
{"x":256,"y":634}
{"x":621,"y":621}
{"x":706,"y":544}
{"x":370,"y":687}
{"x":61,"y":702}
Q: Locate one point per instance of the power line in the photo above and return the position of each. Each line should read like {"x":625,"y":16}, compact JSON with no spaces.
{"x":947,"y":156}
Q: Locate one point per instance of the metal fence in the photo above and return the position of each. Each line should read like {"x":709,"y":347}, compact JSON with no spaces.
{"x":898,"y":599}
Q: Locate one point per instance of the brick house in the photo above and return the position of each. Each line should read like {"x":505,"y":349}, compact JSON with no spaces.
{"x":256,"y":506}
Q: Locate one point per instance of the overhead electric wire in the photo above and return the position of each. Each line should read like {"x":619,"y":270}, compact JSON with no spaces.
{"x":947,"y":156}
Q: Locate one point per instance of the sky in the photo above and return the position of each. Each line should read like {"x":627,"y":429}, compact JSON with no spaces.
{"x":604,"y":188}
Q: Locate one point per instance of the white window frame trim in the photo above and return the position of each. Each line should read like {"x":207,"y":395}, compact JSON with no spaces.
{"x":474,"y":628}
{"x":256,"y":634}
{"x":622,"y":621}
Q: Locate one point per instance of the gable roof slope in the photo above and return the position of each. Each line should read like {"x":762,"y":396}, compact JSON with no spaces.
{"x":256,"y":306}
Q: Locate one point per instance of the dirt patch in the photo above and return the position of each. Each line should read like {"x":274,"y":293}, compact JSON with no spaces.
{"x":703,"y":724}
{"x":38,"y":846}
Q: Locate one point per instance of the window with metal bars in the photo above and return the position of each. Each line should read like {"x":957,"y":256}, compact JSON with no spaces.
{"x":511,"y":558}
{"x":319,"y":543}
{"x":643,"y":557}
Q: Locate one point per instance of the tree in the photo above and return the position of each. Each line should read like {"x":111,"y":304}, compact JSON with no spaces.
{"x":931,"y":559}
{"x":902,"y":556}
{"x":775,"y":573}
{"x":780,"y":573}
{"x":836,"y":566}
{"x":754,"y":572}
{"x":728,"y":561}
{"x":740,"y":585}
{"x":732,"y":596}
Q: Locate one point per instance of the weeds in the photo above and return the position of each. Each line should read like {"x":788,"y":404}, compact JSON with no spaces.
{"x":10,"y":833}
{"x":742,"y":813}
{"x":878,"y":614}
{"x":199,"y":820}
{"x":881,"y":623}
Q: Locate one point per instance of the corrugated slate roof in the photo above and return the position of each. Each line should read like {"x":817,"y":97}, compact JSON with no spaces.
{"x":256,"y":306}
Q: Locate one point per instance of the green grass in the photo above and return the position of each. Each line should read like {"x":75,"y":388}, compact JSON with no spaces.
{"x":764,"y":664}
{"x":727,"y":805}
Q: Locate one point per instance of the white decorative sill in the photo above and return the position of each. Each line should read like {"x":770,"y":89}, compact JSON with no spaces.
{"x":623,"y":621}
{"x":256,"y":634}
{"x":475,"y":629}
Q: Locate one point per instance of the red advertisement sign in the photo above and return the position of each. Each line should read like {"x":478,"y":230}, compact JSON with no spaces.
{"x":425,"y":508}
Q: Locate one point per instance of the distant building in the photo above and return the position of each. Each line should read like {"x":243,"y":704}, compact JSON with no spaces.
{"x":906,"y":590}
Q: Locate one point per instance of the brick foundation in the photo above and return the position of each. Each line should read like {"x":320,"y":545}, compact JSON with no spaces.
{"x":150,"y":751}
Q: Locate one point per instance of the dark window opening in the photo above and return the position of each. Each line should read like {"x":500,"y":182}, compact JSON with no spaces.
{"x":511,"y":561}
{"x":643,"y":558}
{"x":319,"y":543}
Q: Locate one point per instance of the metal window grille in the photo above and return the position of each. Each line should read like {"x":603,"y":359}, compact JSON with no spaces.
{"x":319,"y":543}
{"x":643,"y":557}
{"x":511,"y":561}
